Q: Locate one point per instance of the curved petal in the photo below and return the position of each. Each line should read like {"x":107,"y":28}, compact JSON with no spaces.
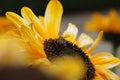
{"x":108,"y":75}
{"x":90,"y":50}
{"x":98,"y":76}
{"x":53,"y":16}
{"x":16,"y":19}
{"x":36,"y":50}
{"x":105,"y":59}
{"x":39,"y":38}
{"x":84,"y":40}
{"x":70,"y":33}
{"x":32,"y":19}
{"x":41,"y":19}
{"x":27,"y":33}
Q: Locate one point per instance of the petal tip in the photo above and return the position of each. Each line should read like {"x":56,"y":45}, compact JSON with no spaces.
{"x":25,"y":8}
{"x":8,"y":13}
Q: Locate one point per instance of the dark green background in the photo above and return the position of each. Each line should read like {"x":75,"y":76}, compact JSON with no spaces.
{"x":38,"y":6}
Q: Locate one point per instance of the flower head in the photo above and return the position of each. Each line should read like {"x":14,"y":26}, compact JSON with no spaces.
{"x":61,"y":54}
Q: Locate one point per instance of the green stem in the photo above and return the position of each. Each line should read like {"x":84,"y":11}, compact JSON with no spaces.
{"x":115,"y":48}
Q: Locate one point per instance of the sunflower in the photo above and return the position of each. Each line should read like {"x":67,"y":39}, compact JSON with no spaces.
{"x":58,"y":54}
{"x":109,"y":24}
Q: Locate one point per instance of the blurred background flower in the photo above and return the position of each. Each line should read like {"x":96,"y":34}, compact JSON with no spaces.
{"x":110,"y":24}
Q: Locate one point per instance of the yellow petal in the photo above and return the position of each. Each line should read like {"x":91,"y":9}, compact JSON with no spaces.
{"x":39,"y":39}
{"x":16,"y":19}
{"x":71,"y":33}
{"x":84,"y":40}
{"x":98,"y":76}
{"x":108,"y":75}
{"x":53,"y":16}
{"x":42,"y":19}
{"x":32,"y":19}
{"x":105,"y":59}
{"x":35,"y":50}
{"x":27,"y":33}
{"x":91,"y":49}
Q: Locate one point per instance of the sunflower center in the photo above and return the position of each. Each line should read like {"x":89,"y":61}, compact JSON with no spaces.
{"x":56,"y":49}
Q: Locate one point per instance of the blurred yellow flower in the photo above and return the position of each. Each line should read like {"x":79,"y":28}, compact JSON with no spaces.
{"x":5,"y":24}
{"x":62,"y":55}
{"x":109,"y":23}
